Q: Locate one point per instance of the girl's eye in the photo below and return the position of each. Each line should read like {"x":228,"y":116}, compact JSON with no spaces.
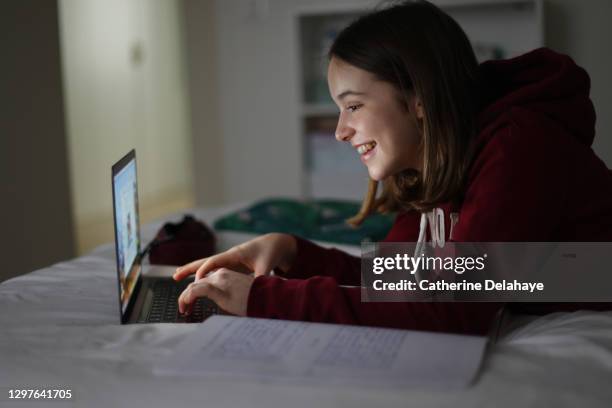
{"x":353,"y":108}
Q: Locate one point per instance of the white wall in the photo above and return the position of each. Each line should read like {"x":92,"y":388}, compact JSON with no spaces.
{"x":125,"y":81}
{"x":35,"y":211}
{"x":250,"y":137}
{"x":207,"y":153}
{"x":248,"y":127}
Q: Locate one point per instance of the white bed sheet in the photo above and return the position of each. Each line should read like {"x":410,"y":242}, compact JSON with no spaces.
{"x":59,"y":329}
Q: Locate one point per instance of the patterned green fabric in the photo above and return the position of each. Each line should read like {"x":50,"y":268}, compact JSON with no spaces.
{"x":322,"y":220}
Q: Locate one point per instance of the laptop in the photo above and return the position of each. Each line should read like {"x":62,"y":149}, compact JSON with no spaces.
{"x":149,"y":297}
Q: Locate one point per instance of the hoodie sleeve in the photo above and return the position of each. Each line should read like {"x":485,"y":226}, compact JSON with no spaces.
{"x":321,"y":299}
{"x":312,"y":259}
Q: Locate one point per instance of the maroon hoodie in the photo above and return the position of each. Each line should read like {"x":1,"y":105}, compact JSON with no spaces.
{"x":534,"y":178}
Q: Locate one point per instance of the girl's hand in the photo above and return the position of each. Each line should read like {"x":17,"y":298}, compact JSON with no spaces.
{"x":259,"y":256}
{"x":228,"y":289}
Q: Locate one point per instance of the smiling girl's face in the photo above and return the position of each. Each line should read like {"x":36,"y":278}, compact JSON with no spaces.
{"x":374,"y":121}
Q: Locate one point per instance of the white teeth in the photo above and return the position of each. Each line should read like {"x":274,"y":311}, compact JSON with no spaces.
{"x":364,"y":148}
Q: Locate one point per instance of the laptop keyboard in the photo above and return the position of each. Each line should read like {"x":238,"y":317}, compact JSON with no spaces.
{"x":164,"y":306}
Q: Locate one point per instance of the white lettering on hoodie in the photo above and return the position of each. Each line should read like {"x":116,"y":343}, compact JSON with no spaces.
{"x":437,"y":231}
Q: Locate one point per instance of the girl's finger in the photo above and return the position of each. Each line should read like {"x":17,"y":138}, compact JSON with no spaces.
{"x":223,"y":260}
{"x":263,"y":267}
{"x":220,"y":279}
{"x":198,"y":290}
{"x":183,"y":307}
{"x":188,"y":269}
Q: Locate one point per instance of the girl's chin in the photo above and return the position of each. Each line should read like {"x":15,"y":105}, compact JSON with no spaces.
{"x":375,"y":174}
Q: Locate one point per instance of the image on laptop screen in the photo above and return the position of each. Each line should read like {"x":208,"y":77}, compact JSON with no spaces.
{"x":126,"y":227}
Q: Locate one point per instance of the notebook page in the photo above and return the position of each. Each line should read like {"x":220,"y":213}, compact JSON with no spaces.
{"x":303,"y":352}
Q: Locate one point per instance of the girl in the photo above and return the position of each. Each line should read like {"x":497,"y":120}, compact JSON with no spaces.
{"x":501,"y":152}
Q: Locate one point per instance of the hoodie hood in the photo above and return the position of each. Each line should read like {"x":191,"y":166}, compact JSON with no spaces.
{"x":543,"y":82}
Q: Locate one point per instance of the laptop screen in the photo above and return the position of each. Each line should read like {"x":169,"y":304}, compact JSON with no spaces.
{"x":127,"y":234}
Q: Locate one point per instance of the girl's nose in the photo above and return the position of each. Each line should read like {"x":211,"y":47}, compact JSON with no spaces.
{"x":344,"y":133}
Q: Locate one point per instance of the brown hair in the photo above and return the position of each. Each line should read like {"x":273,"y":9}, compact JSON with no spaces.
{"x":422,"y":52}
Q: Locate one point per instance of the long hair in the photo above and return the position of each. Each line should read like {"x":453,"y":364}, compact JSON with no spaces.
{"x":422,"y":52}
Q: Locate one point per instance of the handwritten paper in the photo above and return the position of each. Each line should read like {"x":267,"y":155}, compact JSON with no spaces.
{"x":317,"y":353}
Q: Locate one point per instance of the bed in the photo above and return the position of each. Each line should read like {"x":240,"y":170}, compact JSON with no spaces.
{"x":60,"y":329}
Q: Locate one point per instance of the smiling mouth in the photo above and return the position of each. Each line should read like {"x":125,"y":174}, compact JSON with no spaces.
{"x":366,"y":147}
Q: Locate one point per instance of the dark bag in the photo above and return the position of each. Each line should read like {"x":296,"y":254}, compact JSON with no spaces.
{"x":181,"y":243}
